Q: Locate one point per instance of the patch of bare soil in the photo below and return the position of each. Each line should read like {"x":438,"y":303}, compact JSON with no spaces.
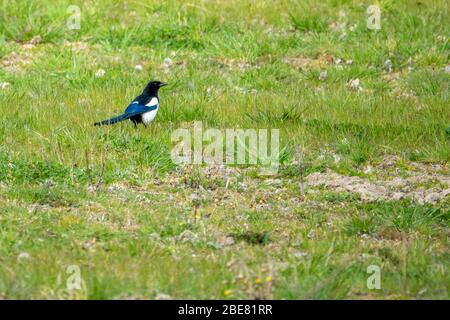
{"x":233,"y":64}
{"x":305,"y":63}
{"x":221,"y":185}
{"x":16,"y":61}
{"x":422,"y":184}
{"x":77,"y":46}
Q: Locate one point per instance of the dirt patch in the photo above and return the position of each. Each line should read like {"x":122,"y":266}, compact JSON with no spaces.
{"x":395,"y":189}
{"x":241,"y":188}
{"x":305,"y":63}
{"x":77,"y":46}
{"x":15,"y":62}
{"x":233,"y":64}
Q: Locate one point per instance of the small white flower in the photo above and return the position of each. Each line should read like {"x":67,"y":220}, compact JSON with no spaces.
{"x":337,"y":158}
{"x":168,"y":62}
{"x":349,"y":62}
{"x":23,"y":256}
{"x":138,"y":67}
{"x":323,"y":75}
{"x":4,"y":85}
{"x":100,"y":73}
{"x":354,"y":84}
{"x":388,"y":65}
{"x":368,"y":170}
{"x":447,"y":68}
{"x":36,"y":39}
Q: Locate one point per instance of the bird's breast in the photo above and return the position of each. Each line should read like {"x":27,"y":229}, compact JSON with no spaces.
{"x":154,"y":101}
{"x":148,"y":117}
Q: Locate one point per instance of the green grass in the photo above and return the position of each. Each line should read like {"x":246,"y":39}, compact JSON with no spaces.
{"x":111,"y":200}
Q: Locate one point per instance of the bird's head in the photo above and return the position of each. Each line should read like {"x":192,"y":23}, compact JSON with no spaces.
{"x":153,"y":87}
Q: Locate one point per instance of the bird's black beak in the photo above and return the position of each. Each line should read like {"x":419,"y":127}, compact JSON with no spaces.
{"x":162,"y":84}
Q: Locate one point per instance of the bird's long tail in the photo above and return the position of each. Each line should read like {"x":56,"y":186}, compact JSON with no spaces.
{"x":112,"y":120}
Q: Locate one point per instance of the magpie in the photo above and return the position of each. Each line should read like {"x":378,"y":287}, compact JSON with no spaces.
{"x":143,"y":109}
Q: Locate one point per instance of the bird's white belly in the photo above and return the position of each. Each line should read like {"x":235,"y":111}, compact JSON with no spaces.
{"x":149,"y":116}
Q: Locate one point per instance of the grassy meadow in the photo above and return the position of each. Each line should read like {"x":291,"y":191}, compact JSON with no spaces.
{"x":364,"y":119}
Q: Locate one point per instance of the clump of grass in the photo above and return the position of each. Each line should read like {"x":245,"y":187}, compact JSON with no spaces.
{"x":195,"y":179}
{"x":428,"y":83}
{"x":251,"y":237}
{"x":44,"y":195}
{"x":360,"y":225}
{"x":308,"y":22}
{"x":33,"y":171}
{"x":401,"y":216}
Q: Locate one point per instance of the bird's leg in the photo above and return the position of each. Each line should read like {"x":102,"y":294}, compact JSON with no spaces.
{"x":145,"y":125}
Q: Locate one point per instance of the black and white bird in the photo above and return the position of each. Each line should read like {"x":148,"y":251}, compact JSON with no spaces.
{"x":143,"y":109}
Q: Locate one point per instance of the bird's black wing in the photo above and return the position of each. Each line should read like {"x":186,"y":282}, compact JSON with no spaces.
{"x":132,"y":110}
